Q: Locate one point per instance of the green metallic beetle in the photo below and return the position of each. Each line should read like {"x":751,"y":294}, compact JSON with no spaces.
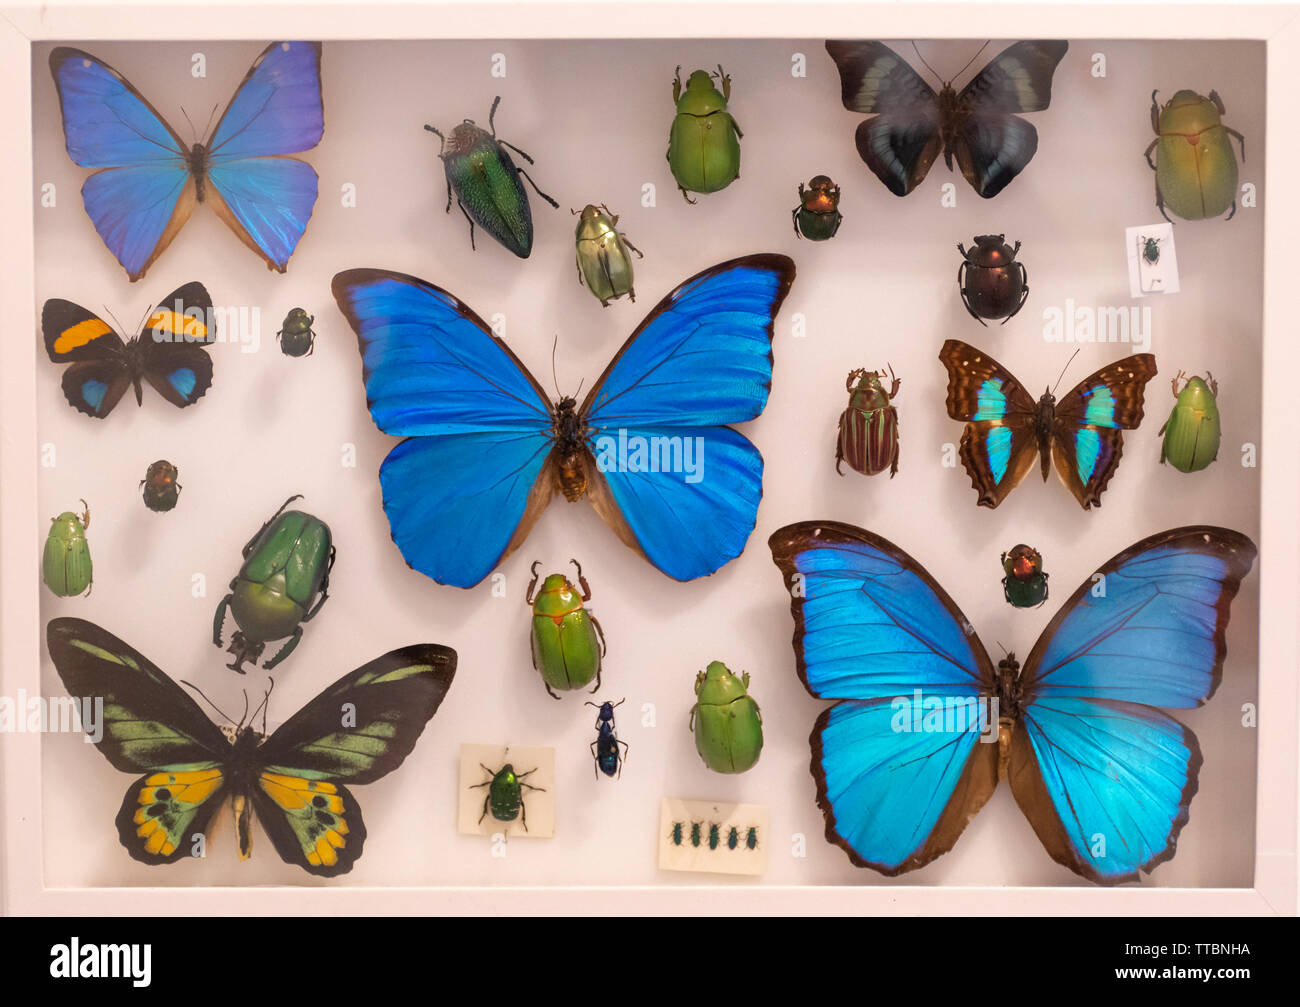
{"x":567,"y":641}
{"x":603,"y":259}
{"x":283,"y":583}
{"x":1150,"y":249}
{"x":704,"y":141}
{"x":1196,"y":171}
{"x":726,"y":721}
{"x":817,"y":217}
{"x":486,"y":182}
{"x":1192,"y":432}
{"x":1025,"y":583}
{"x":65,"y":566}
{"x":296,"y":337}
{"x":505,"y":798}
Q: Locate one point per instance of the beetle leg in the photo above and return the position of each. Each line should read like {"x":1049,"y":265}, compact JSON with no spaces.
{"x":220,"y":619}
{"x":596,"y":687}
{"x":686,"y":197}
{"x":1214,"y":385}
{"x":553,"y":693}
{"x":1160,"y":199}
{"x":472,"y":246}
{"x":893,"y":468}
{"x":586,"y":591}
{"x":601,"y":633}
{"x":839,"y":219}
{"x":595,"y":762}
{"x":577,"y":264}
{"x":1234,"y":210}
{"x":1024,"y":296}
{"x":534,"y":185}
{"x":533,"y":583}
{"x":85,"y":514}
{"x":248,"y":547}
{"x":726,"y":83}
{"x":1240,"y":139}
{"x":448,"y":209}
{"x":486,"y":798}
{"x":794,"y":219}
{"x":1149,"y":149}
{"x":285,"y":651}
{"x":677,"y":84}
{"x":633,"y":247}
{"x":1155,"y":115}
{"x":492,"y":115}
{"x":521,"y":153}
{"x":739,"y":135}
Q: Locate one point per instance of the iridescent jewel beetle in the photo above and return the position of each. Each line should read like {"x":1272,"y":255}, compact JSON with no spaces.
{"x":727,"y":723}
{"x":605,"y":755}
{"x":603,"y":258}
{"x":992,"y":283}
{"x":1193,"y":432}
{"x":733,"y":838}
{"x":505,"y":798}
{"x":817,"y":217}
{"x":296,"y":336}
{"x":283,"y":583}
{"x":567,"y":641}
{"x":486,"y":182}
{"x":676,"y":834}
{"x":1150,"y":249}
{"x":704,"y":141}
{"x":1196,"y":169}
{"x":751,"y":838}
{"x":868,"y":430}
{"x":65,"y":566}
{"x":159,"y":485}
{"x":1025,"y":583}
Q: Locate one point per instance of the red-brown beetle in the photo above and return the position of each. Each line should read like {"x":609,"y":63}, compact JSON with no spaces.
{"x":868,"y":434}
{"x":992,"y":283}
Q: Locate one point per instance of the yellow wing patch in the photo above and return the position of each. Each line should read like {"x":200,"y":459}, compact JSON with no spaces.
{"x":165,"y":324}
{"x":315,"y":812}
{"x":75,"y":336}
{"x":167,"y":804}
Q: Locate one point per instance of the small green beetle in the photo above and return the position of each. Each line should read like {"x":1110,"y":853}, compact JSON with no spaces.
{"x":283,"y":583}
{"x":1192,"y":432}
{"x":727,"y":723}
{"x":65,"y":566}
{"x":1196,"y":171}
{"x":567,"y":641}
{"x":603,"y":259}
{"x":704,"y":141}
{"x":505,"y":798}
{"x":1150,"y":248}
{"x":296,"y":336}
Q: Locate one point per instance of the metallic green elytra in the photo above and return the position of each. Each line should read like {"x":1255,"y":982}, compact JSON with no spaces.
{"x":695,"y":833}
{"x":868,"y":432}
{"x":713,"y":836}
{"x":751,"y":838}
{"x":65,"y":565}
{"x":704,"y":141}
{"x":727,"y":723}
{"x":676,"y":834}
{"x":283,"y":583}
{"x":567,"y":641}
{"x":1025,"y":583}
{"x":486,"y":182}
{"x":296,"y":337}
{"x":1192,"y":432}
{"x":1150,"y":249}
{"x":1196,"y":170}
{"x":603,"y":259}
{"x":505,"y":798}
{"x":733,"y":838}
{"x":817,"y":217}
{"x":159,"y":486}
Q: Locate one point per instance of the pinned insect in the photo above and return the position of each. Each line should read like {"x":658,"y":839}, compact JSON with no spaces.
{"x":161,"y":490}
{"x":1025,"y":583}
{"x":65,"y":566}
{"x":817,"y":217}
{"x":296,"y":336}
{"x":605,"y":755}
{"x":505,"y":797}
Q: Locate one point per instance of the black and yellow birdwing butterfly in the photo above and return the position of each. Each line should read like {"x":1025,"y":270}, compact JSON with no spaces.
{"x":170,"y":351}
{"x":356,"y":731}
{"x":976,"y":125}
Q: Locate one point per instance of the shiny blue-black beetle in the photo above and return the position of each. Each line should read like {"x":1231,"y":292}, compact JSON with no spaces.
{"x":605,"y":755}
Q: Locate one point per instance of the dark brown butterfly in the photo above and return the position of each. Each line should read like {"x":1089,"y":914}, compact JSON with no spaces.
{"x":1005,"y":427}
{"x":977,"y":126}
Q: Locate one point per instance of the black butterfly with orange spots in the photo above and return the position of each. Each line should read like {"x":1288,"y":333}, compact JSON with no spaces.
{"x":356,"y":731}
{"x":170,"y":352}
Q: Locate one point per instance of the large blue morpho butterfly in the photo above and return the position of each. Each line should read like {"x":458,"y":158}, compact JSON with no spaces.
{"x":148,"y":179}
{"x":486,"y":449}
{"x":1104,"y":776}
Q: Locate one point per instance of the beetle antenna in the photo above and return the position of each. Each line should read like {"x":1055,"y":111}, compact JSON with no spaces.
{"x":927,"y":65}
{"x":971,"y":60}
{"x":224,"y":716}
{"x":1063,"y":370}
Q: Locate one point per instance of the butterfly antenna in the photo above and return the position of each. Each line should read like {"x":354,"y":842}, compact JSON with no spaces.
{"x":971,"y":60}
{"x":213,"y":114}
{"x":221,"y":713}
{"x":264,"y":707}
{"x":193,"y":133}
{"x":1005,"y":652}
{"x":1063,"y":370}
{"x":121,"y":331}
{"x":554,"y":378}
{"x":927,"y":65}
{"x":579,"y":391}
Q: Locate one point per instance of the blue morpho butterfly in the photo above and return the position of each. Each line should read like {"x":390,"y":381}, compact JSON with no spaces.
{"x":486,"y":449}
{"x":148,"y":179}
{"x":170,"y":351}
{"x":976,"y":125}
{"x":1005,"y":428}
{"x":1104,"y":776}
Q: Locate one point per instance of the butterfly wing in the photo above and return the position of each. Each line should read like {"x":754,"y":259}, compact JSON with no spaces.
{"x":148,"y":724}
{"x":874,"y":630}
{"x":999,"y":443}
{"x":702,"y":358}
{"x":173,"y":345}
{"x":900,"y":144}
{"x":467,"y":486}
{"x":267,"y":198}
{"x":1105,"y":778}
{"x":142,"y":191}
{"x":1088,"y":431}
{"x":359,"y":729}
{"x":991,"y":143}
{"x":99,"y":374}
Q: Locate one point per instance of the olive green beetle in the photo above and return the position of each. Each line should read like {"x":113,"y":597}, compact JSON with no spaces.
{"x":283,"y":583}
{"x":567,"y":641}
{"x":704,"y":141}
{"x":726,"y":721}
{"x":505,"y":797}
{"x":65,"y":566}
{"x":603,"y":259}
{"x":1192,"y":432}
{"x":1196,"y":171}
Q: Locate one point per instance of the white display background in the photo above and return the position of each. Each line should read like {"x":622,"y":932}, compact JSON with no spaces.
{"x":595,"y":115}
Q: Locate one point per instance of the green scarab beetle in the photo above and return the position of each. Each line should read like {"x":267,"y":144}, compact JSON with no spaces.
{"x":603,"y":255}
{"x":704,"y":141}
{"x":65,"y":566}
{"x":283,"y":583}
{"x":567,"y":641}
{"x":505,"y":798}
{"x":1192,"y":433}
{"x":296,"y":336}
{"x":817,"y":217}
{"x":727,"y":723}
{"x":1196,"y":170}
{"x":1025,"y":583}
